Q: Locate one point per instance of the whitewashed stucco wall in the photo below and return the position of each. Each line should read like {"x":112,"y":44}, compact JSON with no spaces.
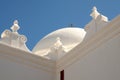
{"x":16,"y":64}
{"x":10,"y":70}
{"x":103,"y":63}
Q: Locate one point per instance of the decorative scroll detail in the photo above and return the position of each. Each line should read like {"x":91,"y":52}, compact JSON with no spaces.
{"x":23,"y":38}
{"x":6,"y":33}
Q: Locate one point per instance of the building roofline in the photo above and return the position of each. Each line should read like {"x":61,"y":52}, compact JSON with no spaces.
{"x":106,"y":33}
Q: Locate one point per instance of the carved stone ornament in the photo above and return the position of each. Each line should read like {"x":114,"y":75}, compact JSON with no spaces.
{"x":98,"y":22}
{"x":57,"y":50}
{"x":13,"y":38}
{"x":15,"y":26}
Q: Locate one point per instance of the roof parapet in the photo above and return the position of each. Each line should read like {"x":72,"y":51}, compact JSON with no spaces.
{"x":13,"y":38}
{"x":98,"y":21}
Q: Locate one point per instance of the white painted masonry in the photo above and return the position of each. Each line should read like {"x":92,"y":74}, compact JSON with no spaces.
{"x":91,"y":54}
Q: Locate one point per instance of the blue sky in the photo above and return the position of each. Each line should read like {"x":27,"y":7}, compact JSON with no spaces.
{"x":37,"y":18}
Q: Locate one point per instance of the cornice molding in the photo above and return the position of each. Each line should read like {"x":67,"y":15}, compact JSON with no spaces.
{"x":26,"y":58}
{"x":108,"y":32}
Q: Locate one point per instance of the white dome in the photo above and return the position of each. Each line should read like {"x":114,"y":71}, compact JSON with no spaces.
{"x":69,"y":37}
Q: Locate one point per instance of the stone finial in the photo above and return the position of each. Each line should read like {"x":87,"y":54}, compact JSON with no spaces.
{"x":13,"y":38}
{"x":57,"y":50}
{"x":58,"y":43}
{"x":94,"y":13}
{"x":15,"y":26}
{"x":15,"y":22}
{"x":97,"y":23}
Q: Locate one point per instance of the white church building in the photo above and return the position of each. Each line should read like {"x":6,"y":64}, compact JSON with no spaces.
{"x":70,"y":53}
